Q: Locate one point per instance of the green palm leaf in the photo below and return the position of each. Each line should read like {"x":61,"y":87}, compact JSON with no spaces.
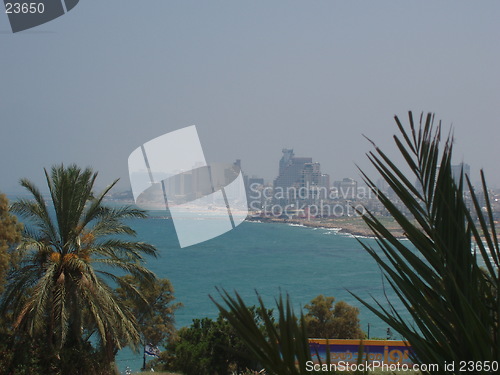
{"x":438,"y":278}
{"x":62,"y":286}
{"x":282,"y":348}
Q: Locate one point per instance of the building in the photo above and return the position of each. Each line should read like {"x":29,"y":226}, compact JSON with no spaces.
{"x":255,"y":181}
{"x":290,"y":169}
{"x":324,"y":181}
{"x":297,"y":176}
{"x":310,"y":175}
{"x":347,"y":188}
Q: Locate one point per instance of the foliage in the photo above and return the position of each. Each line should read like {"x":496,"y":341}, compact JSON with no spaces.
{"x":60,"y":292}
{"x":29,"y":356}
{"x":212,"y":347}
{"x":450,"y":290}
{"x":10,"y":234}
{"x":153,"y":307}
{"x":282,"y":348}
{"x":332,"y":322}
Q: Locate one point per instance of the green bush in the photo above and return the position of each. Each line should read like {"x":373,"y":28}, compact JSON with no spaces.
{"x":210,"y":347}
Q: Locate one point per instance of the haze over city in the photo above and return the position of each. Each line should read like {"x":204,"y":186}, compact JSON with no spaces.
{"x":255,"y":77}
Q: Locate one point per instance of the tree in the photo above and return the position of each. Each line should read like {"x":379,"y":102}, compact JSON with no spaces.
{"x":153,"y":307}
{"x":61,"y":289}
{"x":10,"y":234}
{"x":326,"y":321}
{"x":447,"y":274}
{"x":211,"y":347}
{"x":281,"y":347}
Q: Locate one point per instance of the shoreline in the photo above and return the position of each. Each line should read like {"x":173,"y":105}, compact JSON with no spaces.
{"x":354,"y":226}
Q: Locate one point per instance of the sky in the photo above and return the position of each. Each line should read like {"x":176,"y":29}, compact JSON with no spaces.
{"x":253,"y":76}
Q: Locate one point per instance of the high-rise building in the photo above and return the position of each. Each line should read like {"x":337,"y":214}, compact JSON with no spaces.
{"x":256,"y":181}
{"x":290,"y":169}
{"x":324,"y":183}
{"x":310,"y":175}
{"x":325,"y":180}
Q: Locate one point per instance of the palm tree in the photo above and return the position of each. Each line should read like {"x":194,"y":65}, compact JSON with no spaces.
{"x":63,"y":288}
{"x":447,"y":274}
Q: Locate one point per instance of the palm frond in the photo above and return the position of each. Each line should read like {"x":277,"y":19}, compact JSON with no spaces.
{"x":282,"y":348}
{"x":69,"y":254}
{"x":437,"y":278}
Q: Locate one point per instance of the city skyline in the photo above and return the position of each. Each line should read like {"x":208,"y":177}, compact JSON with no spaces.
{"x":254,"y":77}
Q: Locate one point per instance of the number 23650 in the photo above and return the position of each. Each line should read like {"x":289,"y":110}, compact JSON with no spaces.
{"x":24,"y":8}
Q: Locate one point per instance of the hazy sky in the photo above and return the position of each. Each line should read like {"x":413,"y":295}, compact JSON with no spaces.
{"x":254,"y":76}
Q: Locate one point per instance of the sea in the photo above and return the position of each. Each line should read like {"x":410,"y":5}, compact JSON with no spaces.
{"x":268,"y":259}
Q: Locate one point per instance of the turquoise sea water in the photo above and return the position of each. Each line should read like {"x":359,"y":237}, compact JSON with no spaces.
{"x":301,"y":261}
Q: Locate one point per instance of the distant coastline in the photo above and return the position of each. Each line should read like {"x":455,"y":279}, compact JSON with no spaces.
{"x":354,"y":226}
